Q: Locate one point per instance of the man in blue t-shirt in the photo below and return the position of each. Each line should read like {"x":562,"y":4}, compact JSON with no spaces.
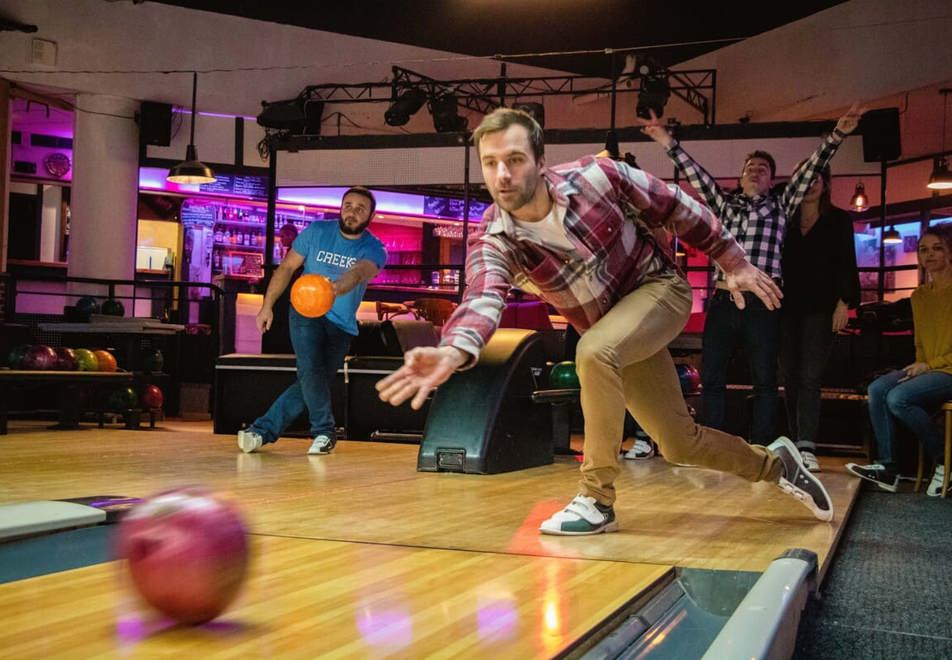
{"x":349,"y":256}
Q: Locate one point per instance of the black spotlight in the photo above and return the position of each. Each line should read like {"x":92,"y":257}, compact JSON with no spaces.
{"x":536,"y":110}
{"x":445,"y":117}
{"x":298,"y":116}
{"x":404,"y":107}
{"x":654,"y":91}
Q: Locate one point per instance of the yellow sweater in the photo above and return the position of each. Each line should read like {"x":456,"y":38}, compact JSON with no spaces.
{"x":932,"y":316}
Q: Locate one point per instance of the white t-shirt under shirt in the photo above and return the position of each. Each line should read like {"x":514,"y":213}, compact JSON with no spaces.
{"x":549,"y":231}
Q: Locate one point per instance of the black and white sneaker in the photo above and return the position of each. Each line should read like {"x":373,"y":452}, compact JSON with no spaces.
{"x":884,"y":477}
{"x":797,"y":481}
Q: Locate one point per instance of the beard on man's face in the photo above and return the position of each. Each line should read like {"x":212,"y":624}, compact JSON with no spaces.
{"x":352,"y":229}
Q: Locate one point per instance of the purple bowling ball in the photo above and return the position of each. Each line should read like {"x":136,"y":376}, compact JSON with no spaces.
{"x":65,"y":359}
{"x":39,"y":358}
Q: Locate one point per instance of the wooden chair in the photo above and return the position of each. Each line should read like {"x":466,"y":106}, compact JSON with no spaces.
{"x":947,"y":411}
{"x":434,"y":310}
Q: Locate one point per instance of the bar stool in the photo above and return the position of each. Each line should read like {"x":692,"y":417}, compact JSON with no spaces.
{"x":947,"y":411}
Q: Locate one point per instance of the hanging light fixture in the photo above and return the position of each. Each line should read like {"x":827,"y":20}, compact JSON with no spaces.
{"x":859,"y":201}
{"x":191,"y":170}
{"x":891,"y":236}
{"x":941,"y":177}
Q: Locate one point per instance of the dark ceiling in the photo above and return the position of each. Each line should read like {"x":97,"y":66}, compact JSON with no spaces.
{"x":666,"y":30}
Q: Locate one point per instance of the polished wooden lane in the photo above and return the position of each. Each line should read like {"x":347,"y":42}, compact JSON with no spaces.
{"x":309,"y":598}
{"x":371,"y":492}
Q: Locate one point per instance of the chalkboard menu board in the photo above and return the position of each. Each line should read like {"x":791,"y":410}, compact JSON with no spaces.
{"x":447,"y":207}
{"x":194,"y":214}
{"x":238,"y":184}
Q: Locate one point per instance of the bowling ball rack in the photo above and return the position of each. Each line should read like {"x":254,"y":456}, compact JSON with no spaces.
{"x":69,"y":403}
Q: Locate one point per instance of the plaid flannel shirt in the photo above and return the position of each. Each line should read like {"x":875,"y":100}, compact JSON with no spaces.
{"x":610,"y":211}
{"x":757,"y":222}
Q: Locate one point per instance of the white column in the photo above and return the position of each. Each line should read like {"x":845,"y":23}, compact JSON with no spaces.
{"x":104,"y":197}
{"x":50,"y":223}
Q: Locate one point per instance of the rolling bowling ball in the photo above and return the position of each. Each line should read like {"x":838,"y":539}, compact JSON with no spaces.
{"x":690,"y":379}
{"x":38,"y":358}
{"x":124,"y":398}
{"x":113,"y":307}
{"x":105,"y":361}
{"x":86,"y":359}
{"x":187,"y":553}
{"x":153,"y":361}
{"x":65,"y":359}
{"x":15,"y":356}
{"x":86,"y":306}
{"x":152,"y":397}
{"x":312,"y":295}
{"x":563,"y":376}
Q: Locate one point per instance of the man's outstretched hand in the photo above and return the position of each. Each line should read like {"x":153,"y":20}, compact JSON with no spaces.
{"x":750,"y":278}
{"x":423,"y":370}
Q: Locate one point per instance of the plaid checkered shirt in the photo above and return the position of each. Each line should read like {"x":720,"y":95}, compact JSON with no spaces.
{"x":610,"y":210}
{"x":757,"y":222}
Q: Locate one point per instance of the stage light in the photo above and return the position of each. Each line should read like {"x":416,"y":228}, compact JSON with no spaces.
{"x":445,"y":116}
{"x":654,"y":90}
{"x":404,"y":107}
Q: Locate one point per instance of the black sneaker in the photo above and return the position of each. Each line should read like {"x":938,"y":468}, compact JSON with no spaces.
{"x":886,"y":478}
{"x":797,"y":481}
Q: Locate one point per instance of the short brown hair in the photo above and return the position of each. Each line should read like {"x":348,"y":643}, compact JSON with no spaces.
{"x":763,"y":155}
{"x":502,"y":118}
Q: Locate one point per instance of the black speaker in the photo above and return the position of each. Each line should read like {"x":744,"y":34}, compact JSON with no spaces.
{"x":880,"y":129}
{"x":155,"y":123}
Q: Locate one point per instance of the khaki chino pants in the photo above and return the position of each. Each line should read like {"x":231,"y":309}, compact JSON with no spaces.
{"x":623,"y":362}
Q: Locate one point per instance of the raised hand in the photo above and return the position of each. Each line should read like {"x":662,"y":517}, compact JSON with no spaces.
{"x":654,"y":129}
{"x":750,"y":278}
{"x":423,"y":370}
{"x":848,"y":122}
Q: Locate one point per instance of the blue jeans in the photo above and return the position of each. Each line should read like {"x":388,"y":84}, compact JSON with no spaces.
{"x":912,"y":402}
{"x":806,"y":343}
{"x":320,"y":348}
{"x":757,"y":329}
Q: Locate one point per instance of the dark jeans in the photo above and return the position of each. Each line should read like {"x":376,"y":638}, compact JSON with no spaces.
{"x":912,"y":402}
{"x":805,"y":348}
{"x":320,"y":348}
{"x":757,"y":329}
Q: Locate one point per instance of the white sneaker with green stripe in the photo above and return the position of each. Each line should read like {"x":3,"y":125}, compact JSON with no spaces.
{"x":583,"y":515}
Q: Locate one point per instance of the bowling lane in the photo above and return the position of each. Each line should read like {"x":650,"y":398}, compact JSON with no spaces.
{"x":310,"y":597}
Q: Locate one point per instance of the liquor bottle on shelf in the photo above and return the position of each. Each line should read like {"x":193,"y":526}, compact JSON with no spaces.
{"x":226,"y":237}
{"x":218,"y":234}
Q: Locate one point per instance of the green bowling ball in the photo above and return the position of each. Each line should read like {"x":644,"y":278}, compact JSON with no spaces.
{"x":563,"y":376}
{"x":113,"y":307}
{"x":15,"y":356}
{"x":153,"y":360}
{"x":86,"y":359}
{"x":123,"y":398}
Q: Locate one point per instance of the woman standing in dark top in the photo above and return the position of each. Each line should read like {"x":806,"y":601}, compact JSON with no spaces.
{"x":821,"y":284}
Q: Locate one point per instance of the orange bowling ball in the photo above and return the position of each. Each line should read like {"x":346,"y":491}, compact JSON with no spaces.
{"x":106,"y":360}
{"x":312,"y":295}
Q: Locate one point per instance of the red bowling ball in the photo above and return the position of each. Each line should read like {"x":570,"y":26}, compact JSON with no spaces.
{"x":187,"y":553}
{"x":152,"y":397}
{"x":39,"y":358}
{"x":65,"y":359}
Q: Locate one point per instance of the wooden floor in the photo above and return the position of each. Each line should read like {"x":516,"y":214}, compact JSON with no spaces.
{"x":359,"y":555}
